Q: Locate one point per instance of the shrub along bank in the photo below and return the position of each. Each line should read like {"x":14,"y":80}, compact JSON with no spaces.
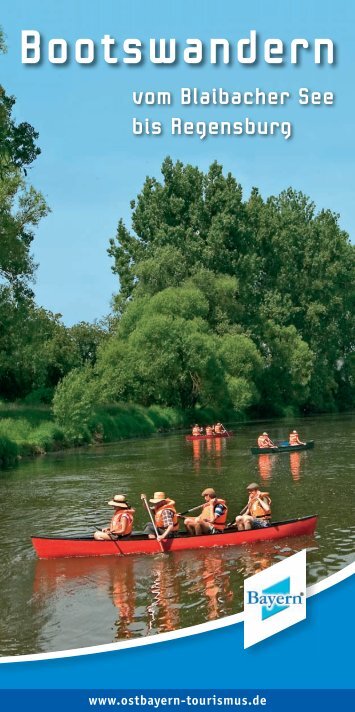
{"x":33,"y":431}
{"x":27,"y":431}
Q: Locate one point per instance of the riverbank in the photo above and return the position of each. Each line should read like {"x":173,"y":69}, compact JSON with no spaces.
{"x":27,"y":431}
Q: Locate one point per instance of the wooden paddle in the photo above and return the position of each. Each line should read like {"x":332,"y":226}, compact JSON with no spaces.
{"x":225,"y":430}
{"x":112,"y":539}
{"x":232,"y":524}
{"x":144,"y":499}
{"x":193,"y":509}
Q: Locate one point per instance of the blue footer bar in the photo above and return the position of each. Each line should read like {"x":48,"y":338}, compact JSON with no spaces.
{"x":146,"y":700}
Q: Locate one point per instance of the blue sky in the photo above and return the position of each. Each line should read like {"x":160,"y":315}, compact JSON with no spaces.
{"x":91,"y":165}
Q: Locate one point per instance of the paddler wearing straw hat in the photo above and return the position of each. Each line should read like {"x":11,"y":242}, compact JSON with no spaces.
{"x":165,"y":517}
{"x":213,"y":517}
{"x":122,"y":521}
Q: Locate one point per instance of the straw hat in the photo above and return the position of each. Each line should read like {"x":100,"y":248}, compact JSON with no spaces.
{"x":253,"y":486}
{"x":118,"y":500}
{"x":209,"y":491}
{"x":158,"y":497}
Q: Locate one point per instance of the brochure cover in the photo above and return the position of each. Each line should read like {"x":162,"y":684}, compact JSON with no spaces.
{"x":177,"y":364}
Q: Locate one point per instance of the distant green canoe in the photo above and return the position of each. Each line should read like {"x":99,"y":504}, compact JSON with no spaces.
{"x":282,"y":448}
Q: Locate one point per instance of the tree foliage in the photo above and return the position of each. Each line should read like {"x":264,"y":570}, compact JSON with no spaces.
{"x":272,"y":275}
{"x":36,"y":349}
{"x":21,"y":209}
{"x":165,"y":351}
{"x":21,"y":206}
{"x":74,"y":401}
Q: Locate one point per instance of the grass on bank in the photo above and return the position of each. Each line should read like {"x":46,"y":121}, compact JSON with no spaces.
{"x":29,"y":430}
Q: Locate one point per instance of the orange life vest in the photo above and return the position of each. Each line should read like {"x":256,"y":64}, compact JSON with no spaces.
{"x":209,"y":431}
{"x":196,"y":431}
{"x":158,"y":515}
{"x":208,"y":511}
{"x":125,"y":514}
{"x":263,"y":441}
{"x":255,"y":509}
{"x":218,"y":429}
{"x":293,"y":439}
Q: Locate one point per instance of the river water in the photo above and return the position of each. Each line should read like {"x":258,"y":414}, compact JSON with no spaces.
{"x":71,"y":603}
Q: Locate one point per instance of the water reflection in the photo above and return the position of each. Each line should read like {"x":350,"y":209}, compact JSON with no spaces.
{"x":216,"y":584}
{"x":213,"y":449}
{"x":295,"y":465}
{"x":259,"y":556}
{"x":163,"y":610}
{"x":196,"y":454}
{"x":209,"y":445}
{"x":265,"y":464}
{"x":123,"y":591}
{"x":135,"y":596}
{"x":219,"y":446}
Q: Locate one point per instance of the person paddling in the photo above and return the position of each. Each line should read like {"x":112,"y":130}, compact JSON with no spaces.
{"x":257,"y":513}
{"x":264,"y":441}
{"x":213,"y":517}
{"x":122,"y":521}
{"x":293,"y":439}
{"x":209,"y":431}
{"x":196,"y":430}
{"x":219,"y":429}
{"x":165,"y":517}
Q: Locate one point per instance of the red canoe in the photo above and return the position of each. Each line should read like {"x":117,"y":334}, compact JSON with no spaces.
{"x":53,"y":548}
{"x":226,"y":434}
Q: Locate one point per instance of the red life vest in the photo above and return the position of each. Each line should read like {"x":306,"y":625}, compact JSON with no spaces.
{"x":208,"y":511}
{"x":255,"y":509}
{"x":158,"y":515}
{"x":127,"y":516}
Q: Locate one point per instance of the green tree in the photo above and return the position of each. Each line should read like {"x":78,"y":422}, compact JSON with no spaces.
{"x":289,"y":368}
{"x":165,"y":351}
{"x":164,"y":354}
{"x":74,"y":402}
{"x":305,"y":279}
{"x":276,"y":271}
{"x":36,"y":350}
{"x":198,"y":218}
{"x":21,"y":206}
{"x":21,"y":209}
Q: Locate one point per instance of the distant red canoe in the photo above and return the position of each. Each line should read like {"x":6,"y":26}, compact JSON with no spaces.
{"x":227,"y":434}
{"x":59,"y":547}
